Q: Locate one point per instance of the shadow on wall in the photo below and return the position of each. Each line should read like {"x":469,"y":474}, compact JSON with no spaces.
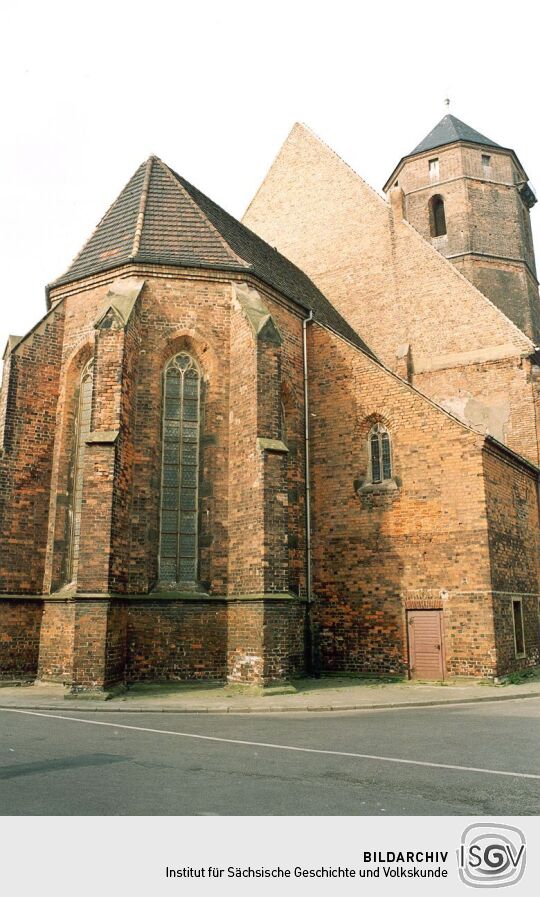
{"x":358,"y":569}
{"x":20,"y":627}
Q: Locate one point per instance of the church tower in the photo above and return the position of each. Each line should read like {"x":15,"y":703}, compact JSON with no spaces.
{"x":471,"y":199}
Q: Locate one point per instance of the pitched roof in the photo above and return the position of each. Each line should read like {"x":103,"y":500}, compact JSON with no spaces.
{"x":448,"y":130}
{"x":160,"y":218}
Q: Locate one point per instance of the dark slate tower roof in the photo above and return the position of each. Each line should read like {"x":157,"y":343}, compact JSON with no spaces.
{"x":449,"y":130}
{"x":160,"y":218}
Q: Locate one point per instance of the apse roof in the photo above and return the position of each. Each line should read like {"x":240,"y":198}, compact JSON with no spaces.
{"x":160,"y":218}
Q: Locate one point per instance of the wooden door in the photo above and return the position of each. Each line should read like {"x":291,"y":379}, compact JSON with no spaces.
{"x":426,"y":644}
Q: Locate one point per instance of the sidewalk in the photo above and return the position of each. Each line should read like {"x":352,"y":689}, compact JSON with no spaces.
{"x":322,"y":695}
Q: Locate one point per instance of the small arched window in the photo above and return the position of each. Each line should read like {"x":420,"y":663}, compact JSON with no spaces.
{"x":380,"y":455}
{"x":178,"y":555}
{"x":437,"y":217}
{"x":82,"y":430}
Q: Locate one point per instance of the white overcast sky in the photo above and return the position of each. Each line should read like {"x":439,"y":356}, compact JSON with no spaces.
{"x":90,"y":90}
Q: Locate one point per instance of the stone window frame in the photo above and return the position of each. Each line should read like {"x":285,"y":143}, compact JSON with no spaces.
{"x":519,"y":601}
{"x":380,"y":435}
{"x":193,"y":364}
{"x":386,"y":484}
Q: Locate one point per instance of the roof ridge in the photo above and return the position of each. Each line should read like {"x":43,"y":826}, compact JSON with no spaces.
{"x":344,"y":162}
{"x":139,"y":224}
{"x":273,"y":162}
{"x":98,"y":225}
{"x":203,"y":217}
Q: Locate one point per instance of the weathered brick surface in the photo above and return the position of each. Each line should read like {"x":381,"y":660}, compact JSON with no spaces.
{"x":247,"y":541}
{"x":57,"y":572}
{"x":426,"y":543}
{"x":99,"y":644}
{"x":266,"y":640}
{"x":241,"y":641}
{"x":456,"y":529}
{"x":514,"y":547}
{"x":489,"y":231}
{"x":20,"y":623}
{"x":410,"y":304}
{"x":56,"y":641}
{"x":284,"y":640}
{"x":26,"y":455}
{"x":497,"y":397}
{"x":177,"y":640}
{"x":246,"y":513}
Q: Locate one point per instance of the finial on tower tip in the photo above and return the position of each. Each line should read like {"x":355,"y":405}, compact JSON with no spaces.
{"x":447,"y":102}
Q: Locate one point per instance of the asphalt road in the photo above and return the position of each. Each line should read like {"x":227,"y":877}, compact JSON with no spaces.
{"x":70,"y":766}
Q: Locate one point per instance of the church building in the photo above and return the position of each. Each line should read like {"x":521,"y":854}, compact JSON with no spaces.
{"x":304,"y":442}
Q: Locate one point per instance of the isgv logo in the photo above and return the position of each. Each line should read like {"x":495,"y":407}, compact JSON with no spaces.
{"x":491,"y":855}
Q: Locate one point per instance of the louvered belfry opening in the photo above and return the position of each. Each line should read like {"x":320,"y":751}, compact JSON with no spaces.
{"x":83,"y":422}
{"x":180,"y":471}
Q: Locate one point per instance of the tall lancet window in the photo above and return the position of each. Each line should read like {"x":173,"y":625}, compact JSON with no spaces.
{"x":180,"y":470}
{"x":82,"y":430}
{"x":380,"y":454}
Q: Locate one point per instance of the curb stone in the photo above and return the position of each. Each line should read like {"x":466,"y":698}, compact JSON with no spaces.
{"x":228,"y":708}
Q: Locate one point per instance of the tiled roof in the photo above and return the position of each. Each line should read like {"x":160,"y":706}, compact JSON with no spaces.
{"x":448,"y":130}
{"x":160,"y":218}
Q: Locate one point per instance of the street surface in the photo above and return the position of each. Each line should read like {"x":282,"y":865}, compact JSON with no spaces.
{"x":74,"y":763}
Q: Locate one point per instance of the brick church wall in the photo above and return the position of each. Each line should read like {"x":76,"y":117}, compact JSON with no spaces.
{"x":422,"y":544}
{"x":20,"y":624}
{"x":245,"y":641}
{"x":26,"y":460}
{"x":244,"y":491}
{"x":514,"y":547}
{"x":495,"y":397}
{"x":292,"y":400}
{"x":246,"y":512}
{"x":122,"y":509}
{"x":170,"y":639}
{"x":56,"y":641}
{"x":266,"y":640}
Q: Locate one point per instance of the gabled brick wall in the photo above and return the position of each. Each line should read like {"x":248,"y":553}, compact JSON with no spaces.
{"x":412,"y":306}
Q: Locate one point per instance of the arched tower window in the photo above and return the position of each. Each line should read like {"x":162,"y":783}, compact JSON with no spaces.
{"x":380,"y":454}
{"x":180,"y":470}
{"x":83,"y":422}
{"x":437,"y":217}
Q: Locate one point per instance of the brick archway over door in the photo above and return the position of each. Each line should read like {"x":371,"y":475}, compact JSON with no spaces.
{"x":426,"y":644}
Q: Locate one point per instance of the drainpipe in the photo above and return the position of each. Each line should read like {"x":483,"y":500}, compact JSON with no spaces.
{"x":311,"y":654}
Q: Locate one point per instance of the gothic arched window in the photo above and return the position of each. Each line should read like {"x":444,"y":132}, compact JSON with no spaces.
{"x":82,"y":430}
{"x":437,"y":217}
{"x":178,"y":554}
{"x":380,"y":455}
